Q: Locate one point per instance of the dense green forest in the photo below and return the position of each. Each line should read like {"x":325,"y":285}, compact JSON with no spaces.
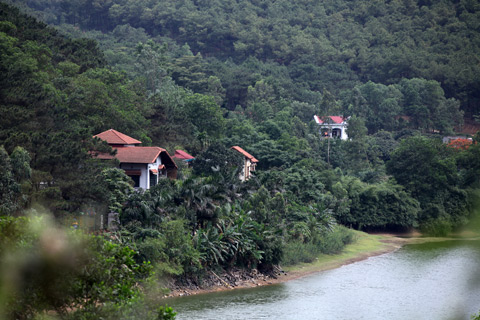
{"x":301,"y":48}
{"x":203,"y":76}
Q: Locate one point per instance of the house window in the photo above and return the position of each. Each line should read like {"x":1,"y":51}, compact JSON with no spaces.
{"x":136,"y":180}
{"x":153,"y":180}
{"x":135,"y":175}
{"x":336,"y":133}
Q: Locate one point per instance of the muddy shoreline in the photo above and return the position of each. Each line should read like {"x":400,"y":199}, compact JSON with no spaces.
{"x":235,"y":279}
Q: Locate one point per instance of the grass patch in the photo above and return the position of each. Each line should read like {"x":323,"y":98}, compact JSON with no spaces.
{"x":296,"y":252}
{"x":364,"y":246}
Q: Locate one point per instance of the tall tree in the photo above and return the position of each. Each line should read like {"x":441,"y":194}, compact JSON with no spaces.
{"x":427,"y":169}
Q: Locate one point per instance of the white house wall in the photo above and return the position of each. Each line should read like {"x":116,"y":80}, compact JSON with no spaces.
{"x":344,"y":133}
{"x":144,"y":171}
{"x":246,"y":172}
{"x":247,"y":169}
{"x":155,"y":166}
{"x":144,"y":182}
{"x":341,"y":127}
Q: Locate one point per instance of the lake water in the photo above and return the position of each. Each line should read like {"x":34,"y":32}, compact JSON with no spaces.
{"x":437,"y":280}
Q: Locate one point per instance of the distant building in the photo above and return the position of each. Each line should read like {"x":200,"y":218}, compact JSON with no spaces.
{"x":448,"y":139}
{"x":249,"y":163}
{"x":458,"y":142}
{"x":183,"y":156}
{"x":145,"y":165}
{"x":332,"y":127}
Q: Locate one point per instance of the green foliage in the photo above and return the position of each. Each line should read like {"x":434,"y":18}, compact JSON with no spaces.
{"x":380,"y":206}
{"x":111,"y":274}
{"x":417,"y":164}
{"x":45,"y":269}
{"x":118,"y":185}
{"x":334,"y":242}
{"x":378,"y":104}
{"x":206,"y":116}
{"x":428,"y":171}
{"x":468,"y":161}
{"x":8,"y":186}
{"x":141,"y":208}
{"x":475,"y":316}
{"x":217,"y":158}
{"x":356,"y":128}
{"x":437,"y":227}
{"x":180,"y":248}
{"x":16,"y":234}
{"x":231,"y":242}
{"x":425,"y":102}
{"x":15,"y":184}
{"x":296,"y":252}
{"x":305,"y":48}
{"x":166,"y":313}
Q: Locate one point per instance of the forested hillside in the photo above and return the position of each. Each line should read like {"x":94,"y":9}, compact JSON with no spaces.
{"x":203,"y":76}
{"x":301,"y":47}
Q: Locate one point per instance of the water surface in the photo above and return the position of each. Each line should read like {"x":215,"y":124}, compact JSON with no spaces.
{"x":437,"y":280}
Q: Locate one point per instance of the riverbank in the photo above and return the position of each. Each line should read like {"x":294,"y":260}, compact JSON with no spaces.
{"x":365,"y":246}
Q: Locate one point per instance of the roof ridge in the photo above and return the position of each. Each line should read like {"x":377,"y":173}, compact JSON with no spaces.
{"x":112,"y":136}
{"x":245,"y":153}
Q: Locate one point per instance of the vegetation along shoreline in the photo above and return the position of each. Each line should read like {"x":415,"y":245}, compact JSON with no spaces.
{"x":365,"y":246}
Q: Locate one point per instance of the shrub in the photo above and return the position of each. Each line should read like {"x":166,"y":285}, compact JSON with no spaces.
{"x":334,"y":242}
{"x":439,"y":227}
{"x":43,"y":268}
{"x":297,"y":252}
{"x":330,"y":243}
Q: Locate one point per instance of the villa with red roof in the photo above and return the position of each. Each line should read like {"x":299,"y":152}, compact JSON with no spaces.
{"x":145,"y":165}
{"x":332,"y":127}
{"x":249,"y":163}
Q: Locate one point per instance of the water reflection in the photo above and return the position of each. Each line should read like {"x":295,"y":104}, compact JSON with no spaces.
{"x":427,"y":281}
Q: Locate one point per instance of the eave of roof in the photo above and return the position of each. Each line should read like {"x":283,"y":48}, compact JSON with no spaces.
{"x":245,"y":153}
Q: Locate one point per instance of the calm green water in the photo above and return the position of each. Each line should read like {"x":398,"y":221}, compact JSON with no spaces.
{"x":429,"y":281}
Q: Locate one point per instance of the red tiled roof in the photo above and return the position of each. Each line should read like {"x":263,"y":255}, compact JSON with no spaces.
{"x":114,"y":137}
{"x":132,"y":154}
{"x":245,"y":153}
{"x":179,"y":154}
{"x":138,"y":154}
{"x":335,"y":119}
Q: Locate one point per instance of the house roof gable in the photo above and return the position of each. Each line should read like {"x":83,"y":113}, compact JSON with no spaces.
{"x":114,"y":137}
{"x":245,"y":153}
{"x":180,"y":154}
{"x":335,"y":119}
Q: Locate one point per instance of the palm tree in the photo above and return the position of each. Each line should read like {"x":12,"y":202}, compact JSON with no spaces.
{"x":196,"y":196}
